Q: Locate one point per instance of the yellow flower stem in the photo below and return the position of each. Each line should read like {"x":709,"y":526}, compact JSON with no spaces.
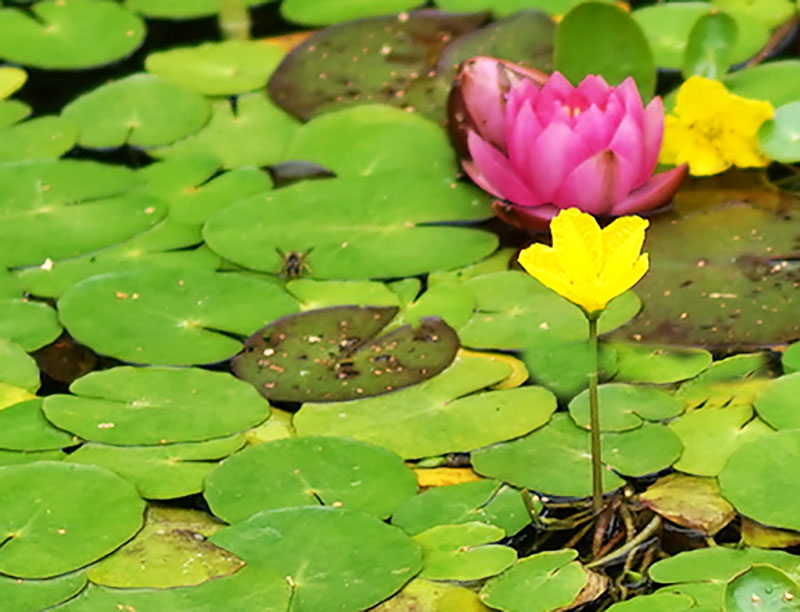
{"x":594,"y":416}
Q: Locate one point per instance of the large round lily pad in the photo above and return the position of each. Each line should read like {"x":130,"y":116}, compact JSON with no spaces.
{"x":437,"y":416}
{"x":141,"y":110}
{"x":309,"y":471}
{"x":331,"y":558}
{"x":217,"y":69}
{"x":759,"y":478}
{"x":718,"y":563}
{"x":762,"y":587}
{"x":356,"y":227}
{"x":37,"y":595}
{"x":59,"y":516}
{"x":161,"y":472}
{"x":657,"y":363}
{"x":69,"y":34}
{"x":170,"y":316}
{"x":129,"y":406}
{"x":777,"y":402}
{"x":333,"y":354}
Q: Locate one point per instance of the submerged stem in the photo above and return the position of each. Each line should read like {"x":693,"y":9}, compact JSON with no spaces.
{"x":594,"y":418}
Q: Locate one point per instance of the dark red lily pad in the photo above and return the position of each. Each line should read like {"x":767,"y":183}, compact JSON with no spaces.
{"x":331,"y":354}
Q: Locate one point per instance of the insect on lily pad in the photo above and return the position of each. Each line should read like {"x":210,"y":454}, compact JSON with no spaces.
{"x":294,"y":264}
{"x":332,"y":354}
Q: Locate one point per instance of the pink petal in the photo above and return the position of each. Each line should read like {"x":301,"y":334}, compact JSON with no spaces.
{"x":631,"y":100}
{"x":655,"y":192}
{"x":525,"y":91}
{"x":492,"y":171}
{"x":595,"y":128}
{"x":653,"y":133}
{"x":552,"y":95}
{"x":533,"y":218}
{"x":519,"y":136}
{"x":483,"y":94}
{"x":595,"y":89}
{"x":551,"y":157}
{"x":615,"y":111}
{"x":597,"y":184}
{"x":628,"y":143}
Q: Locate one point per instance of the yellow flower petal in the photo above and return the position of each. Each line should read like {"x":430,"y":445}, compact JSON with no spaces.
{"x":622,"y":243}
{"x":576,"y":239}
{"x":541,"y":262}
{"x":699,"y":99}
{"x":627,"y":279}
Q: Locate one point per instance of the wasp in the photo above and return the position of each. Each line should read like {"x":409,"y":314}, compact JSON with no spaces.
{"x":294,"y":263}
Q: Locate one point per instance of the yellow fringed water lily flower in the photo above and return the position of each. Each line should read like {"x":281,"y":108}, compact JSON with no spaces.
{"x":712,"y":129}
{"x":587,"y":265}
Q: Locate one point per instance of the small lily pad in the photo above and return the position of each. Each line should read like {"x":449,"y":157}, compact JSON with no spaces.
{"x":24,"y":428}
{"x":689,"y":501}
{"x":777,"y":402}
{"x":36,"y":595}
{"x":556,"y":459}
{"x":181,"y":9}
{"x":355,"y":227}
{"x":29,"y":324}
{"x":307,"y":471}
{"x":17,"y":457}
{"x":141,"y":110}
{"x":772,"y":81}
{"x":326,"y":12}
{"x":11,"y":79}
{"x":46,"y":528}
{"x":17,"y":367}
{"x":171,"y":550}
{"x":69,"y":34}
{"x":437,"y":416}
{"x":539,"y":583}
{"x":318,"y":550}
{"x":332,"y":354}
{"x":731,"y":381}
{"x":758,"y":479}
{"x":40,"y":138}
{"x":710,"y":46}
{"x":217,"y":69}
{"x":13,"y":111}
{"x":655,"y":602}
{"x":460,"y":552}
{"x":160,"y":472}
{"x":174,"y":317}
{"x":486,"y":501}
{"x":658,"y":364}
{"x":248,"y":132}
{"x":130,"y":406}
{"x":426,"y":596}
{"x":762,"y":587}
{"x":718,"y":563}
{"x":624,"y":407}
{"x":791,"y":358}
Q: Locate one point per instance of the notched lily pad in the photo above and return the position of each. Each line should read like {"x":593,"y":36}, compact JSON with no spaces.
{"x":331,"y":354}
{"x":762,"y":587}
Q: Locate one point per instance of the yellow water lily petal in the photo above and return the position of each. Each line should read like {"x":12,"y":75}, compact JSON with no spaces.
{"x":712,"y":129}
{"x":11,"y":79}
{"x":587,"y":265}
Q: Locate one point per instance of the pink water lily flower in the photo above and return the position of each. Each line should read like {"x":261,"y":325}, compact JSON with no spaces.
{"x":541,"y":144}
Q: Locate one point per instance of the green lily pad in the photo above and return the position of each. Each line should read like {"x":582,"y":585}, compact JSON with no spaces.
{"x":718,"y":563}
{"x":181,"y":9}
{"x":69,"y":34}
{"x":169,"y":316}
{"x":318,"y":550}
{"x":486,"y":501}
{"x":13,"y":111}
{"x":778,"y":138}
{"x":219,"y":68}
{"x":332,"y":354}
{"x":11,"y":79}
{"x":36,"y":595}
{"x":164,"y":246}
{"x":142,"y":110}
{"x":308,"y":471}
{"x":773,"y":81}
{"x":762,"y":587}
{"x":777,"y":402}
{"x":47,"y":529}
{"x":710,"y":46}
{"x":689,"y":501}
{"x":247,"y":589}
{"x":460,"y":552}
{"x":373,"y":133}
{"x":437,"y":416}
{"x":17,"y":367}
{"x":24,"y":428}
{"x":356,"y":226}
{"x":425,"y":596}
{"x":596,"y":38}
{"x":326,"y":12}
{"x":730,"y":381}
{"x":501,"y":8}
{"x":251,"y":132}
{"x":710,"y":435}
{"x":791,"y":358}
{"x":161,"y":472}
{"x":758,"y":477}
{"x":331,"y":69}
{"x":668,"y":27}
{"x":314,"y":294}
{"x":539,"y":583}
{"x":771,"y":12}
{"x":171,"y":550}
{"x":624,"y":407}
{"x":40,"y":138}
{"x":29,"y":324}
{"x":656,"y":602}
{"x":656,"y":364}
{"x":515,"y":311}
{"x":17,"y":457}
{"x":556,"y":459}
{"x":130,"y":406}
